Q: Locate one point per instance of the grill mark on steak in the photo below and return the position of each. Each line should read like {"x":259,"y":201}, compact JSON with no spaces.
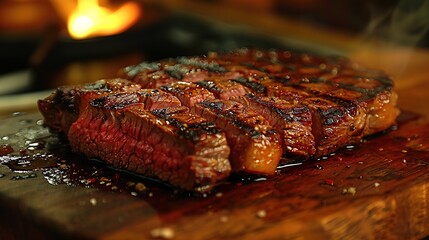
{"x":224,"y":88}
{"x":254,"y":85}
{"x":132,"y":71}
{"x":247,"y":121}
{"x":258,"y":150}
{"x":171,"y":70}
{"x":211,"y":66}
{"x":151,"y":98}
{"x":169,"y":143}
{"x":313,"y":70}
{"x":298,"y":141}
{"x":189,"y":126}
{"x":188,"y":93}
{"x":115,"y":101}
{"x":333,"y":126}
{"x":64,"y":105}
{"x":335,"y":82}
{"x":339,"y":116}
{"x":157,"y":99}
{"x":292,"y":121}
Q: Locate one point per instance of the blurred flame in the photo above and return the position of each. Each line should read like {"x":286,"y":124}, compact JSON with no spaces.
{"x":90,"y":19}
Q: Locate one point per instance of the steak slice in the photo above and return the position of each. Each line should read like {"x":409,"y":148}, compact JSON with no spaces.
{"x":167,"y":143}
{"x":64,"y":105}
{"x":257,"y":147}
{"x":292,"y":121}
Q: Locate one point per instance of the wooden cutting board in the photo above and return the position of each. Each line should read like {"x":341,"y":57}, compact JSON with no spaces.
{"x":379,"y":189}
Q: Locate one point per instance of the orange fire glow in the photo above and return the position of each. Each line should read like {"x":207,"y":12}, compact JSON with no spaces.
{"x":90,"y":19}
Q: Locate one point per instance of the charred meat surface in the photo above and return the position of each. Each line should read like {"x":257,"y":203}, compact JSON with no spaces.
{"x":190,"y":121}
{"x":346,"y":101}
{"x":166,"y":142}
{"x":292,"y":121}
{"x":65,"y":104}
{"x":256,"y":145}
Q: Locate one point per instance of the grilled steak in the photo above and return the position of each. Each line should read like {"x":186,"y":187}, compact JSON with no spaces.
{"x":346,"y":101}
{"x":191,"y":120}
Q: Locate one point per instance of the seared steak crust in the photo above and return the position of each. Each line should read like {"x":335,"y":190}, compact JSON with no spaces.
{"x":256,"y":145}
{"x":346,"y":101}
{"x":64,"y":105}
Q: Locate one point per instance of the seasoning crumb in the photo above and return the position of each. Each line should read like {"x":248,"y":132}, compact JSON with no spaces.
{"x":351,"y":190}
{"x":140,"y":187}
{"x":163,"y":232}
{"x":219,"y":194}
{"x":360,"y":162}
{"x":93,"y":201}
{"x":376,"y":184}
{"x":150,"y":194}
{"x":261,"y":213}
{"x":318,"y":166}
{"x":404,"y":150}
{"x":224,"y":219}
{"x":134,"y":194}
{"x":380,"y":149}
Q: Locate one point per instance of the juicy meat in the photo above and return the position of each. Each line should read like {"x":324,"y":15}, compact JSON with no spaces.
{"x":345,"y":101}
{"x":129,"y":131}
{"x":292,"y":121}
{"x":256,"y":145}
{"x":191,"y":120}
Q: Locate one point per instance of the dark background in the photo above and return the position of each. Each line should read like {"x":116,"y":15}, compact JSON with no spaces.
{"x":33,"y":35}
